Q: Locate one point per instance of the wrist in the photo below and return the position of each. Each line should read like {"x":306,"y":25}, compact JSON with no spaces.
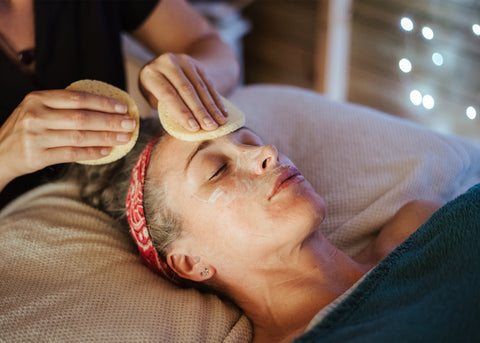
{"x":6,"y":176}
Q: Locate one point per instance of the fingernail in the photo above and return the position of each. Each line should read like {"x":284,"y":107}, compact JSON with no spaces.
{"x":122,"y":137}
{"x":225,"y":112}
{"x":221,"y":120}
{"x":128,"y":124}
{"x":105,"y":151}
{"x":121,"y":108}
{"x":193,"y":124}
{"x":209,"y":123}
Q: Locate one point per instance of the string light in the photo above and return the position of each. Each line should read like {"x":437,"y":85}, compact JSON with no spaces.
{"x":405,"y":65}
{"x":406,"y":24}
{"x":437,"y":59}
{"x":476,"y":29}
{"x":419,"y":97}
{"x":428,"y":101}
{"x":427,"y":33}
{"x":416,"y":97}
{"x":471,"y":112}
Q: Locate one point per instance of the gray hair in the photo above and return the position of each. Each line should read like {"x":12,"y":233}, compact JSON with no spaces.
{"x":163,"y":224}
{"x":106,"y":186}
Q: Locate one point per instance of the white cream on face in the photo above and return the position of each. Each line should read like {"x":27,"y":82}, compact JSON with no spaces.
{"x":215,"y":195}
{"x":242,"y":187}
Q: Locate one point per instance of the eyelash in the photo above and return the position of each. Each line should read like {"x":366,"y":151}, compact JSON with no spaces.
{"x":218,"y":172}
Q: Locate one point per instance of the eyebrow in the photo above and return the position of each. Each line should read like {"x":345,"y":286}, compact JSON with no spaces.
{"x":199,"y":148}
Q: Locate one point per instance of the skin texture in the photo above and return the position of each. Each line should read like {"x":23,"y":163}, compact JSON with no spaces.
{"x":261,"y":243}
{"x":33,"y":137}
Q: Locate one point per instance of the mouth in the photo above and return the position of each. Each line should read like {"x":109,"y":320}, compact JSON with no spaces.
{"x":288,"y":176}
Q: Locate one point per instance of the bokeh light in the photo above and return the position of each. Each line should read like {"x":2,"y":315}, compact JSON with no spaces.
{"x":471,"y":112}
{"x":437,"y":59}
{"x":416,"y":97}
{"x":428,"y":101}
{"x":405,"y":65}
{"x":427,"y":33}
{"x":476,"y":29}
{"x":406,"y":24}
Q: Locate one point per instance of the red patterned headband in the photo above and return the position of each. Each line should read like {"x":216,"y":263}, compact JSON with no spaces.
{"x":137,"y":221}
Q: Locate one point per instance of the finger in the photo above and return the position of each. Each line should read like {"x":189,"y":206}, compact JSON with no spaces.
{"x":67,"y":99}
{"x":204,"y":95}
{"x":74,"y":154}
{"x":80,"y":119}
{"x":215,"y":104}
{"x":187,"y":91}
{"x":166,"y":93}
{"x":76,"y":138}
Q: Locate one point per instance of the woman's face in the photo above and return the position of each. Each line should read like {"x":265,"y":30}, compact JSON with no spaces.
{"x":237,"y":198}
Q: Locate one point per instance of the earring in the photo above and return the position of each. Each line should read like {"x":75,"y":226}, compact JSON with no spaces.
{"x":205,"y":271}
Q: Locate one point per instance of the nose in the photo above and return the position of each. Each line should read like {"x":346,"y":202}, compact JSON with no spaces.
{"x":266,"y":159}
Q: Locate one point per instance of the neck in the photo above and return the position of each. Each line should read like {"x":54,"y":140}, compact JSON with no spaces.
{"x":281,"y":303}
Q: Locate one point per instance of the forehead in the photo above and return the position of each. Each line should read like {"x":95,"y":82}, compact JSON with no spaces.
{"x":169,"y":154}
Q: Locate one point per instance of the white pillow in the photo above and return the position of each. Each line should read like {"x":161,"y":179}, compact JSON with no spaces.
{"x":67,"y":274}
{"x":364,"y":163}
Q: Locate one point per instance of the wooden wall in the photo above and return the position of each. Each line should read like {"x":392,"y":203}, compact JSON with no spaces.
{"x":288,"y":39}
{"x":378,"y":43}
{"x":281,"y":46}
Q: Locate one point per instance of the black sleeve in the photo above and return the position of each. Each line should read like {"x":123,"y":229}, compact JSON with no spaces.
{"x":134,"y":12}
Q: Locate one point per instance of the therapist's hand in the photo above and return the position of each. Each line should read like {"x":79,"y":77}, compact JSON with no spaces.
{"x":178,"y":81}
{"x":58,"y":126}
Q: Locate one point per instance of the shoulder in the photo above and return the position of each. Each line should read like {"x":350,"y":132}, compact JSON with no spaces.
{"x":405,"y":222}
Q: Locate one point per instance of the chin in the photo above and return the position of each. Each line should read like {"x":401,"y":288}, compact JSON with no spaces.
{"x":317,"y":212}
{"x":307,"y":213}
{"x":315,"y":202}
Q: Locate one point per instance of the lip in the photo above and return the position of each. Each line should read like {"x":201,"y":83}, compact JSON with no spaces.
{"x":287,"y":176}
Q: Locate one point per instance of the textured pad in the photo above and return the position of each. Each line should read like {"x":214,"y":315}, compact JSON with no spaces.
{"x":235,"y":120}
{"x":105,"y":89}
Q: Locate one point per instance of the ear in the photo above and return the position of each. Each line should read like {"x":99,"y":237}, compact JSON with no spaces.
{"x":188,"y":267}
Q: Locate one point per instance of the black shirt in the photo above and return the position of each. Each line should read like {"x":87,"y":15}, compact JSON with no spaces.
{"x":74,"y":40}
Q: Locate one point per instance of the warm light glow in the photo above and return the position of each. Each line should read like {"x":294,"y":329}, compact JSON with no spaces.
{"x":405,"y":65}
{"x":471,"y":112}
{"x":428,"y":101}
{"x":427,"y":33}
{"x":416,"y":97}
{"x":406,"y":24}
{"x":476,"y":29}
{"x":437,"y":58}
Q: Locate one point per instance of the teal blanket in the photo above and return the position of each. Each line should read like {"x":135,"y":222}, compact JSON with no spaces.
{"x":427,"y":290}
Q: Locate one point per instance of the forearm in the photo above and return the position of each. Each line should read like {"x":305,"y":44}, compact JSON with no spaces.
{"x":218,"y":62}
{"x":175,"y":27}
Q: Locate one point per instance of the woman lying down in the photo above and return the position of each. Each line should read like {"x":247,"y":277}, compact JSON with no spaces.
{"x":235,"y":217}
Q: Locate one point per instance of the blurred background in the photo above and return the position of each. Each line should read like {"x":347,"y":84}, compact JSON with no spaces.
{"x":416,"y":59}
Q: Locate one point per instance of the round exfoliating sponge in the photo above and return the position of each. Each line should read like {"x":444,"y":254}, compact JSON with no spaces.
{"x":235,"y":120}
{"x":105,"y":89}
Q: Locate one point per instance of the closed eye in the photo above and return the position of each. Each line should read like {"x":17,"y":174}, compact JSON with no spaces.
{"x":218,"y":172}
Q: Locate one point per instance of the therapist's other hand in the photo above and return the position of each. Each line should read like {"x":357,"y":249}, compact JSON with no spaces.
{"x":59,"y":126}
{"x":185,"y":91}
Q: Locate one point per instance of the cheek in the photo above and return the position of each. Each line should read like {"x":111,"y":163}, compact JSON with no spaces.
{"x":234,"y":190}
{"x":226,"y":225}
{"x":246,"y":208}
